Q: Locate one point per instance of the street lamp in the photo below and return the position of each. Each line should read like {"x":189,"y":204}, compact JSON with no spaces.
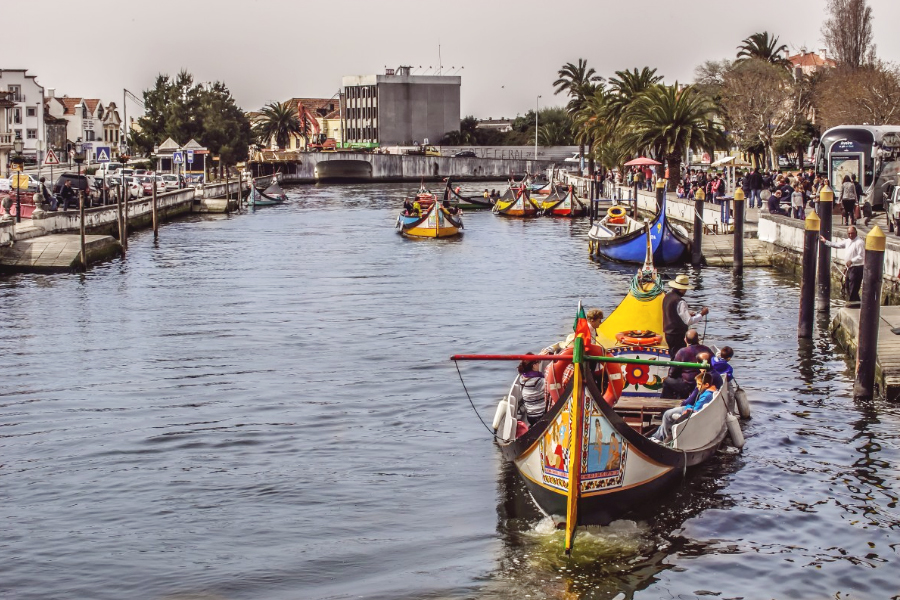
{"x":537,"y":104}
{"x":18,"y":146}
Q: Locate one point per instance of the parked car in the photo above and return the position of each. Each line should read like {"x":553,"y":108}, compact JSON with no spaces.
{"x":170,"y":181}
{"x":135,"y":188}
{"x":33,"y":183}
{"x":84,"y":183}
{"x":148,"y":180}
{"x":141,"y":171}
{"x":465,"y":154}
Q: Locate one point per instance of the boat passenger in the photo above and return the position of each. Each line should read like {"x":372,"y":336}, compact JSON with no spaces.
{"x":720,"y":363}
{"x":407,"y":207}
{"x":594,"y":317}
{"x":416,"y":208}
{"x":450,"y":210}
{"x":680,"y":381}
{"x":677,"y":317}
{"x":529,"y":390}
{"x":486,"y":195}
{"x":702,"y":395}
{"x":706,"y":357}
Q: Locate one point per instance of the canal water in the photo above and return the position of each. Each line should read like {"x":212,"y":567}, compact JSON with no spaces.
{"x":261,"y":405}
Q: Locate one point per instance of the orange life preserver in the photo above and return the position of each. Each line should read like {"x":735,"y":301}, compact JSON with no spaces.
{"x":639,"y":338}
{"x":616,"y":382}
{"x":554,"y":377}
{"x":615,"y":220}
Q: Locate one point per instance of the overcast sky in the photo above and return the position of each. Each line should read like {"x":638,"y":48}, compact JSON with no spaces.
{"x":507,"y":51}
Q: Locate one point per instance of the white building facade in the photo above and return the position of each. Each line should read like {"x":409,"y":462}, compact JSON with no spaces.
{"x":25,"y":120}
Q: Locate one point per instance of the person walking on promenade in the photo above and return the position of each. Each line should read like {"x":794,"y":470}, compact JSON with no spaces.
{"x":754,"y":183}
{"x":848,"y":200}
{"x":798,"y":202}
{"x":677,"y":317}
{"x":855,"y":258}
{"x":865,"y":205}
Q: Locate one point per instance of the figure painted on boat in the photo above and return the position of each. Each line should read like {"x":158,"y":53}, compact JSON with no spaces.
{"x":604,"y":452}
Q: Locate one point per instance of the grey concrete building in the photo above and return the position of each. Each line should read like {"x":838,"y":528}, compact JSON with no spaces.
{"x":400,"y":108}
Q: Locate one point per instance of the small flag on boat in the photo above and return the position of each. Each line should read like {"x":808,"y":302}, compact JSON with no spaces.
{"x":581,"y":327}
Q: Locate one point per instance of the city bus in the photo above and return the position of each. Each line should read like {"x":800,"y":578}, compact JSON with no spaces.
{"x":871,"y":152}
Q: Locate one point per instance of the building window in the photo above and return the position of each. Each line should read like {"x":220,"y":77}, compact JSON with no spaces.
{"x":31,"y":111}
{"x":32,"y":134}
{"x":90,"y":135}
{"x":16,"y":116}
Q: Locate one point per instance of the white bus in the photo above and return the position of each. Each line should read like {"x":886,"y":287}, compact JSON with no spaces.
{"x":871,"y":152}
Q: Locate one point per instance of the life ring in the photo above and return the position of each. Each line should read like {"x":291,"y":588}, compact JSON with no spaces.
{"x":639,"y":338}
{"x":616,"y":382}
{"x":554,"y":376}
{"x":615,"y":220}
{"x":615,"y":212}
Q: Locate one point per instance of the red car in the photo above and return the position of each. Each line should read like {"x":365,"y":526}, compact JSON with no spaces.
{"x":148,"y":180}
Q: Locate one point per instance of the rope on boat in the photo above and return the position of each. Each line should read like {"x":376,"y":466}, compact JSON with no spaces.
{"x":637,"y":287}
{"x":491,"y":431}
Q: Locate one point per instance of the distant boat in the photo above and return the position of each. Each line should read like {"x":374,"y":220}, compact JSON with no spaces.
{"x":471,"y":202}
{"x":624,"y":240}
{"x":270,"y":197}
{"x":434,"y":222}
{"x":274,"y":192}
{"x":520,"y":205}
{"x":563,"y":204}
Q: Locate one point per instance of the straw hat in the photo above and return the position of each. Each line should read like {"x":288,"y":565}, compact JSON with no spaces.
{"x":681,"y":283}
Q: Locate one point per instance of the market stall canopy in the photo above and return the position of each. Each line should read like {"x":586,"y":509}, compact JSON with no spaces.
{"x":731,"y":161}
{"x":642,"y":161}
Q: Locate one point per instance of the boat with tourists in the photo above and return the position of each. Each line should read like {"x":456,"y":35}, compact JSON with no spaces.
{"x":424,"y":217}
{"x":519,"y":204}
{"x":590,"y":458}
{"x":621,"y":237}
{"x":468,"y":202}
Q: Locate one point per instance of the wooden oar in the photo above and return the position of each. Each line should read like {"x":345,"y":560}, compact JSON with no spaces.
{"x":554,"y":357}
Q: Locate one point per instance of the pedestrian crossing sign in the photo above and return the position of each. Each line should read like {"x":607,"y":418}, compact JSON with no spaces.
{"x":103,"y":154}
{"x":178,"y":158}
{"x":51,"y":158}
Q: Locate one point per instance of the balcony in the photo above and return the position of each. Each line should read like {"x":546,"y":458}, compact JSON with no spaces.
{"x":6,"y":140}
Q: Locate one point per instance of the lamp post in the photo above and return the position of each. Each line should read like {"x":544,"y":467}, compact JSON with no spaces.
{"x":123,"y":191}
{"x":537,"y":104}
{"x":18,"y":146}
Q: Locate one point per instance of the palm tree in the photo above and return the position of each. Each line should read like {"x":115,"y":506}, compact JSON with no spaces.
{"x":761,"y":46}
{"x":579,"y":82}
{"x":627,"y":86}
{"x":670,"y":120}
{"x":278,"y":120}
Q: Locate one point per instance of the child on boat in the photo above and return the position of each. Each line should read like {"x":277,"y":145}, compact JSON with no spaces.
{"x":700,"y":397}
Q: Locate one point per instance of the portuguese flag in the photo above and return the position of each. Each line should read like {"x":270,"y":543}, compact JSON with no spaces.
{"x":581,"y":327}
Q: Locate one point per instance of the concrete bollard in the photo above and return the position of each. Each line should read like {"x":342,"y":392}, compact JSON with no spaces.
{"x":808,"y":276}
{"x":870,"y":306}
{"x":823,"y":284}
{"x":697,"y":246}
{"x":739,"y":208}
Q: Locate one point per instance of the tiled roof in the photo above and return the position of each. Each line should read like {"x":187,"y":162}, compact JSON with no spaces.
{"x":335,"y":114}
{"x":811,"y":59}
{"x":91,"y":104}
{"x":317,"y":106}
{"x":69,"y":104}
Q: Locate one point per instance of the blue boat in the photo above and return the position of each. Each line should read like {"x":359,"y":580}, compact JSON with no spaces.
{"x":621,"y":238}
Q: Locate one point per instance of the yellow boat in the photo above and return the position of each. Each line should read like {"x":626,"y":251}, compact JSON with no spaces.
{"x":435,"y":222}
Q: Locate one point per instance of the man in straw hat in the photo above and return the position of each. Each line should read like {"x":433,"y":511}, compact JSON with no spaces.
{"x":677,"y":317}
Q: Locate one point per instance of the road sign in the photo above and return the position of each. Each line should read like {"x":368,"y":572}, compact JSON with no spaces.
{"x":190,"y":156}
{"x":103,"y":154}
{"x":87,"y":145}
{"x":178,"y":158}
{"x":51,"y":158}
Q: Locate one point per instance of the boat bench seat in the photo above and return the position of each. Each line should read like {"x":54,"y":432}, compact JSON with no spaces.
{"x":646,"y":404}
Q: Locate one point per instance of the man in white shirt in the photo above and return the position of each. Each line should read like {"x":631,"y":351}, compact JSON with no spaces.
{"x":855,"y":259}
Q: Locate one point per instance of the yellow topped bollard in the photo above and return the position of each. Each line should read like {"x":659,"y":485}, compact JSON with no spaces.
{"x":870,"y":306}
{"x":660,"y":193}
{"x":697,"y":250}
{"x":808,"y":276}
{"x":825,"y":210}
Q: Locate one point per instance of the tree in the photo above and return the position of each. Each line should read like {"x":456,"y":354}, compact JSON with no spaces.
{"x":867,"y":95}
{"x":579,"y":82}
{"x":277,"y":120}
{"x":761,"y":46}
{"x":626,"y":87}
{"x":760,"y":104}
{"x":671,"y":120}
{"x":848,"y":32}
{"x":226,"y":129}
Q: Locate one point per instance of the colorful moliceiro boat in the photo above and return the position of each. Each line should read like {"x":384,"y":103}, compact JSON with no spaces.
{"x":589,"y":459}
{"x":519,"y":204}
{"x":469,"y":202}
{"x":564,"y":204}
{"x":435,"y":222}
{"x":623,"y":239}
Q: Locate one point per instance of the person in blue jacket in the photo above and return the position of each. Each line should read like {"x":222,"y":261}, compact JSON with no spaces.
{"x":700,"y":397}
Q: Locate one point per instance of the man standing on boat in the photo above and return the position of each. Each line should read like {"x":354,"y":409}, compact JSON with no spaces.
{"x":677,"y":317}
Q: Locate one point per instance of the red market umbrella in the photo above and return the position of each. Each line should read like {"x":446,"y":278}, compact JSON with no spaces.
{"x":642,"y":161}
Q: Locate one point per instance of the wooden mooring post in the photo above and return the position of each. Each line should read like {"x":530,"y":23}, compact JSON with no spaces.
{"x":823,"y":283}
{"x":740,"y":205}
{"x":660,"y":192}
{"x":870,"y":306}
{"x":697,"y":246}
{"x":808,"y":277}
{"x":155,"y":216}
{"x":81,"y":198}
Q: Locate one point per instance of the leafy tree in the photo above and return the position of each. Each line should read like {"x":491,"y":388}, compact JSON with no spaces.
{"x":762,"y":47}
{"x":277,"y":120}
{"x":848,"y":32}
{"x":670,"y":120}
{"x":626,"y":86}
{"x":226,"y":130}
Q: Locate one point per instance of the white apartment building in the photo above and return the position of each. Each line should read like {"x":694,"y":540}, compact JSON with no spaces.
{"x":26,"y":119}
